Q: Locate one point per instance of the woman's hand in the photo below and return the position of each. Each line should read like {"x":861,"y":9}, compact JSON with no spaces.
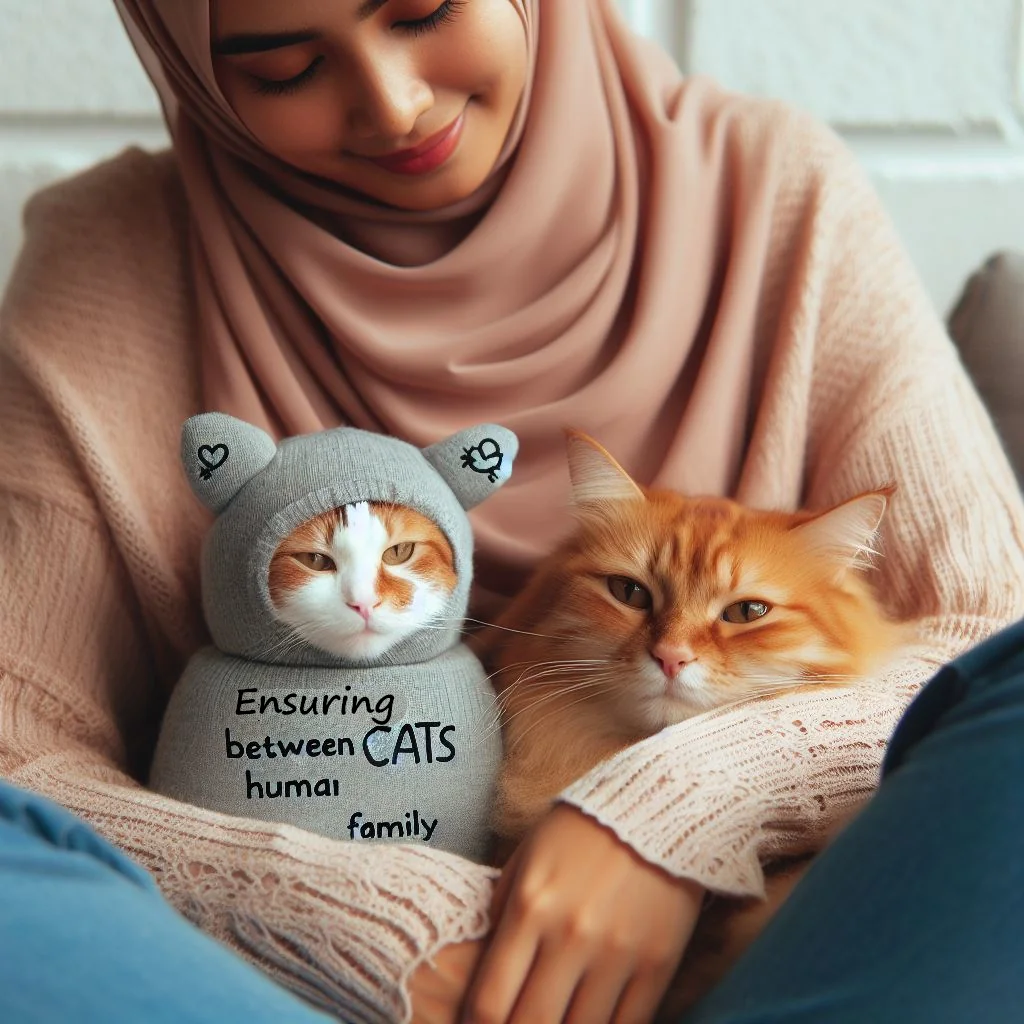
{"x":437,"y":990}
{"x":585,"y":930}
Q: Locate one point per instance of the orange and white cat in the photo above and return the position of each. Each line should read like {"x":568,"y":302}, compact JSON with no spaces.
{"x":660,"y":607}
{"x":358,"y":579}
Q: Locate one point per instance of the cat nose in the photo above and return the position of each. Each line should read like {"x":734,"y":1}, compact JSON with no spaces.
{"x":363,"y":610}
{"x":673,"y":659}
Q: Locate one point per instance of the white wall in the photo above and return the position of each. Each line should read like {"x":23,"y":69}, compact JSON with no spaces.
{"x":930,"y":94}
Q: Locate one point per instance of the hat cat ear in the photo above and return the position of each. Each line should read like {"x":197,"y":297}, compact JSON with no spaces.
{"x":475,"y":462}
{"x":221,"y":455}
{"x":596,"y":477}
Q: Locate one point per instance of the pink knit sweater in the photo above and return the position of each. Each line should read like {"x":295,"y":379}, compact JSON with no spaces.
{"x":99,"y":555}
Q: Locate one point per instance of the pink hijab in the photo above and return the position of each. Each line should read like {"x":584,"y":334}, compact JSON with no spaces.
{"x":579,"y":297}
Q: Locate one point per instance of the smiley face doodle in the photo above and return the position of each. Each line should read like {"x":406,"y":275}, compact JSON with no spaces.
{"x":486,"y":458}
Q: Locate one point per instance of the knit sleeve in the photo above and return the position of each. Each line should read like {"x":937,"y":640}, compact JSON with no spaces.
{"x":863,"y":388}
{"x":85,"y":586}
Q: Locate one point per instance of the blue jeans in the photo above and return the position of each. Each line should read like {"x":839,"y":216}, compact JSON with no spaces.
{"x":915,"y":915}
{"x":86,"y":938}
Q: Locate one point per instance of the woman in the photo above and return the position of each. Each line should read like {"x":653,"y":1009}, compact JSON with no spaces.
{"x":408,"y":216}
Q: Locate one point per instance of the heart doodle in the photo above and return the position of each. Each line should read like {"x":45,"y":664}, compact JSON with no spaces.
{"x":212,"y":457}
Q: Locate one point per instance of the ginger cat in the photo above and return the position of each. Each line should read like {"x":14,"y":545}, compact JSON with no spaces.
{"x":660,"y":607}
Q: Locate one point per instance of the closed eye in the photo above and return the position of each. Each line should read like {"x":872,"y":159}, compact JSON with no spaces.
{"x":444,"y":13}
{"x":283,"y":86}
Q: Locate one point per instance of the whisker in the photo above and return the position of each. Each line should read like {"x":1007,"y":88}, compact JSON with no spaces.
{"x":505,"y":697}
{"x":541,"y":721}
{"x":509,"y":629}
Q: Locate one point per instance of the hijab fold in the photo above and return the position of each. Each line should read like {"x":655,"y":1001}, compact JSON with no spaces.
{"x":571,"y":290}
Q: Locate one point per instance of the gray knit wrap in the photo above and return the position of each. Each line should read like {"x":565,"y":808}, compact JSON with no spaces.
{"x":408,"y":739}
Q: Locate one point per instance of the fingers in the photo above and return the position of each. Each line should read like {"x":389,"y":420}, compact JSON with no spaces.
{"x":550,"y":986}
{"x":643,"y":994}
{"x":597,"y":995}
{"x":503,"y":887}
{"x":502,"y":972}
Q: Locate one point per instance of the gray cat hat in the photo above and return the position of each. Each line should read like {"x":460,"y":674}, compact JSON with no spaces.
{"x":262,"y":491}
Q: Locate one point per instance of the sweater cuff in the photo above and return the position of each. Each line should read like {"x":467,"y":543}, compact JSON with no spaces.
{"x":711,"y":798}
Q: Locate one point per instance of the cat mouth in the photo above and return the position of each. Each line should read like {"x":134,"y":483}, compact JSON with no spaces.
{"x":688,"y":686}
{"x":367,"y":630}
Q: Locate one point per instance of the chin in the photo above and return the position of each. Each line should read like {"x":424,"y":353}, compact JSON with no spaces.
{"x":660,"y":709}
{"x":444,"y":187}
{"x":677,"y":711}
{"x":364,"y":646}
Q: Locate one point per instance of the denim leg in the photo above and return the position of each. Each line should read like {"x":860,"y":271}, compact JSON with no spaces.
{"x":85,"y":936}
{"x":915,"y":915}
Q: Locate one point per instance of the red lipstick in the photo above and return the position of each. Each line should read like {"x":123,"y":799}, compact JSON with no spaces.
{"x":427,"y":156}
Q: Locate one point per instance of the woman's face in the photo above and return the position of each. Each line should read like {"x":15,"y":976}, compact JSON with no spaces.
{"x":345,"y":89}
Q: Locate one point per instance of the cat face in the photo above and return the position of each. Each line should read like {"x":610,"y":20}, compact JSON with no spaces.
{"x":679,"y":605}
{"x":357,"y":580}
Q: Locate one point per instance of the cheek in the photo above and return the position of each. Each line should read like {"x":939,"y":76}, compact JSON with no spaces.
{"x":305,"y":122}
{"x":319,"y":595}
{"x":603,"y":624}
{"x":396,"y":591}
{"x":488,"y":54}
{"x":774,"y":646}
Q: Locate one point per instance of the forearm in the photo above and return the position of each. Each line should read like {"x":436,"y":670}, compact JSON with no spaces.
{"x":339,"y":924}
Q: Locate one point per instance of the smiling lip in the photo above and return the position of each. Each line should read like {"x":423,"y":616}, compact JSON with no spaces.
{"x":427,"y":156}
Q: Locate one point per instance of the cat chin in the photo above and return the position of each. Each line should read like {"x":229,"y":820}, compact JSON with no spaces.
{"x":361,"y":646}
{"x":672,"y":711}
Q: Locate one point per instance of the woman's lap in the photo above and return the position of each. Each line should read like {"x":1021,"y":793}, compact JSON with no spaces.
{"x":85,"y":936}
{"x":916,"y":912}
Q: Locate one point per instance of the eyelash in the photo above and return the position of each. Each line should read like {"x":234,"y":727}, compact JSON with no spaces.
{"x":444,"y":14}
{"x":272,"y":87}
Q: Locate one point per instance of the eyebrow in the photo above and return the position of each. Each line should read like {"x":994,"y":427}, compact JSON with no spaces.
{"x":261,"y":42}
{"x":368,"y":8}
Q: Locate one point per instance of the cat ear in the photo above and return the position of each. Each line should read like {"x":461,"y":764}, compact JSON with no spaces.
{"x":848,"y":532}
{"x":475,"y":462}
{"x":596,"y":477}
{"x":221,"y":455}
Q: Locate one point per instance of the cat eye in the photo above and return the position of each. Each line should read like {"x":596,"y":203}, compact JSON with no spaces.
{"x":746,"y":611}
{"x":629,"y":592}
{"x":315,"y":561}
{"x":399,"y":553}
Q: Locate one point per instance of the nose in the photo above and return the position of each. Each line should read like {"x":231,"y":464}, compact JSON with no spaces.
{"x":362,"y":609}
{"x":673,"y":658}
{"x":388,"y":100}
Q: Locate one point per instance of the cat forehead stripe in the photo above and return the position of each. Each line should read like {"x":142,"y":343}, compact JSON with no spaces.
{"x":357,"y":516}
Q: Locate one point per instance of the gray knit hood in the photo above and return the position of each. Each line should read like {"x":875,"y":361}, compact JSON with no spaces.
{"x":262,"y":491}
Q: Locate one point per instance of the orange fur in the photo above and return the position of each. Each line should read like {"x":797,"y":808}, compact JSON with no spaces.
{"x":433,"y":559}
{"x":575,"y":668}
